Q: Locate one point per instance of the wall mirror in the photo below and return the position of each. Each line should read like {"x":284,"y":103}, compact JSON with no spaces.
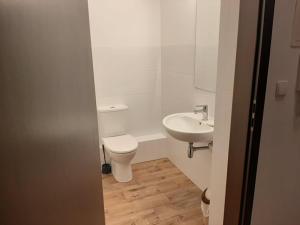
{"x":207,"y":42}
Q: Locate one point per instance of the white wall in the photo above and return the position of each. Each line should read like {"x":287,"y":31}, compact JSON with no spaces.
{"x":126,"y":44}
{"x":179,"y":94}
{"x":225,"y":80}
{"x":277,"y":196}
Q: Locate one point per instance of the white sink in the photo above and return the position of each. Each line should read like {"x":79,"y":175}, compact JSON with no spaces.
{"x":189,"y":127}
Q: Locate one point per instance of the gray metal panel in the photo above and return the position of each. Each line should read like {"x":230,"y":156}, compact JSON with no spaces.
{"x":49,"y":158}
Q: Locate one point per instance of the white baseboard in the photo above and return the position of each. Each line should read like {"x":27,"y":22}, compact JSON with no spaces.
{"x":151,"y":147}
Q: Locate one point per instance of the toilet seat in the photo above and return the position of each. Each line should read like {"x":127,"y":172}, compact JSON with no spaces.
{"x":120,"y":144}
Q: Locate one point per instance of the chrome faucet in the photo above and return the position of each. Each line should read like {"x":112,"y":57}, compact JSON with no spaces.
{"x":202,"y":109}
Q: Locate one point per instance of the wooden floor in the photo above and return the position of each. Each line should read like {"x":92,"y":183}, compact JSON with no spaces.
{"x":159,"y":194}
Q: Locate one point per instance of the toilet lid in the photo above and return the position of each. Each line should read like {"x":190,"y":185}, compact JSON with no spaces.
{"x":120,"y":144}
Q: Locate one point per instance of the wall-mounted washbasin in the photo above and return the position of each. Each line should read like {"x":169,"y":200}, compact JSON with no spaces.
{"x":189,"y":127}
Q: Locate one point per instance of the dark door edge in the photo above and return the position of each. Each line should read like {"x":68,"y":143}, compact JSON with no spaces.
{"x":251,"y":71}
{"x":260,"y":78}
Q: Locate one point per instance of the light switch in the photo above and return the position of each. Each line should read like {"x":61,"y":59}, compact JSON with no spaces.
{"x":281,"y":88}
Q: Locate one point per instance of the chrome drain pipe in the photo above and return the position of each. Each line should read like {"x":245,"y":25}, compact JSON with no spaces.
{"x":192,"y":149}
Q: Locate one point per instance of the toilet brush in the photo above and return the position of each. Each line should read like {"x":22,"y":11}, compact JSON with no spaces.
{"x":106,"y":167}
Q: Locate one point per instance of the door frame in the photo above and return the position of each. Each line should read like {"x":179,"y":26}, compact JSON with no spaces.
{"x":252,"y":63}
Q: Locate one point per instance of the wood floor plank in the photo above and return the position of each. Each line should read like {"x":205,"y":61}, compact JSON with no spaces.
{"x":159,"y":194}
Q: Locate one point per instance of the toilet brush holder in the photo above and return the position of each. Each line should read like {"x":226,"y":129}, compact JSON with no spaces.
{"x":106,"y":167}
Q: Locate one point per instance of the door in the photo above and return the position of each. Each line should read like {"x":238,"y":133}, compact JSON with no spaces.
{"x":251,"y":73}
{"x":49,"y":156}
{"x":277,"y":185}
{"x":267,"y":186}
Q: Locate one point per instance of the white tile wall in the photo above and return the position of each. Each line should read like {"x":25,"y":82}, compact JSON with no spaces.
{"x":117,"y":23}
{"x":126,"y":42}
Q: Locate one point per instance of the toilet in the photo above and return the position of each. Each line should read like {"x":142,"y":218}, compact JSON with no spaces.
{"x":120,"y":146}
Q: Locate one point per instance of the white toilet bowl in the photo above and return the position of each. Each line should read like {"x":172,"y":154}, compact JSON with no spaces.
{"x":122,"y":150}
